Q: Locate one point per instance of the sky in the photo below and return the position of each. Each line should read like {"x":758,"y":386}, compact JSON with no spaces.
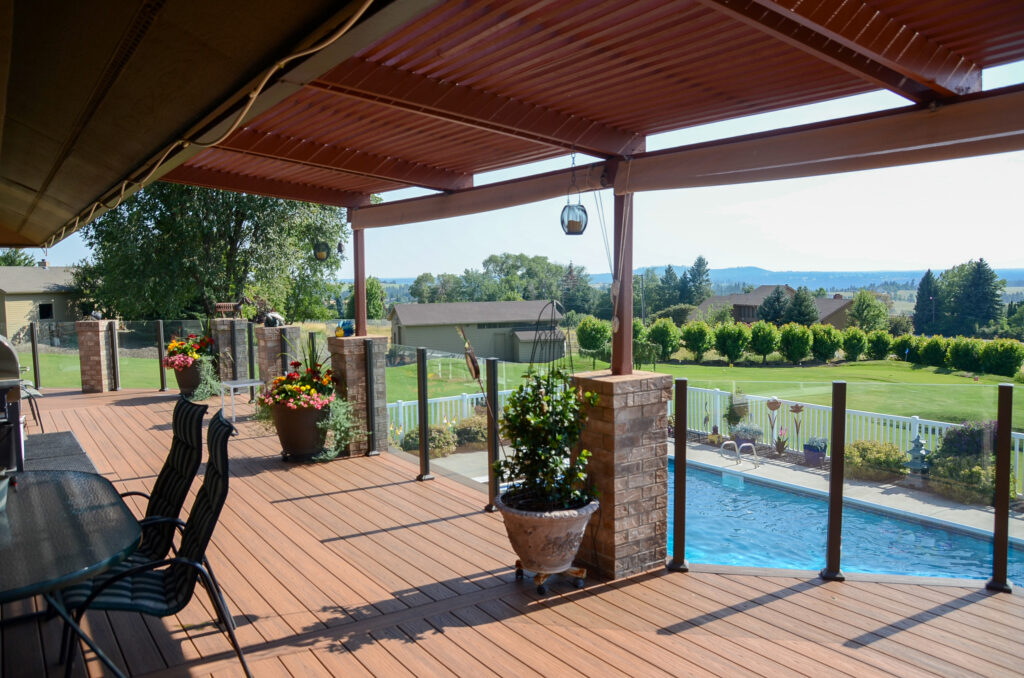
{"x":933,"y":215}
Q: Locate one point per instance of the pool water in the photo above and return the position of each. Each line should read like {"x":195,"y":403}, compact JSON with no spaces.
{"x":732,"y":521}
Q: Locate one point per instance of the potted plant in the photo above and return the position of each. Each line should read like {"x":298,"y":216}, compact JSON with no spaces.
{"x":781,"y":441}
{"x":298,"y":403}
{"x":814,"y":451}
{"x":746,"y":433}
{"x":548,"y":502}
{"x":187,"y":357}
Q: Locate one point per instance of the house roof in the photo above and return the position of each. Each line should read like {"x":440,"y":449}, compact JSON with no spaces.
{"x":539,"y":335}
{"x":429,"y":93}
{"x":471,"y":312}
{"x":35,"y":279}
{"x":826,"y":305}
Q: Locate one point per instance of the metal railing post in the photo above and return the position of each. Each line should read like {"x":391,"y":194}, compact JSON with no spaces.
{"x":160,"y":350}
{"x":1001,"y":530}
{"x":114,"y":357}
{"x":832,"y":571}
{"x":424,"y":417}
{"x":678,"y":562}
{"x":34,"y":332}
{"x":492,"y":433}
{"x":251,"y":337}
{"x":371,"y":402}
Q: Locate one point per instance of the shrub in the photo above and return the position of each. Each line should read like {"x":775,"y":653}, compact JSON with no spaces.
{"x":471,"y":430}
{"x":795,"y":342}
{"x":901,"y":324}
{"x":698,"y":338}
{"x":933,"y":351}
{"x":875,"y":461}
{"x":679,"y":313}
{"x":825,"y":341}
{"x":592,"y":333}
{"x":855,"y":342}
{"x":731,"y":340}
{"x":1002,"y":356}
{"x":816,"y":444}
{"x":645,"y":353}
{"x":879,"y":345}
{"x":963,"y":468}
{"x":906,"y":347}
{"x":747,"y":432}
{"x":964,"y":353}
{"x":764,"y":339}
{"x":665,"y":334}
{"x":442,"y":441}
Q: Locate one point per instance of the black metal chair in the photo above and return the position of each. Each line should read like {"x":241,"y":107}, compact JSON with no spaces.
{"x":164,"y":587}
{"x":173,"y":482}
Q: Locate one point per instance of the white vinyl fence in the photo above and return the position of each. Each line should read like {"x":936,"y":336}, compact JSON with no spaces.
{"x":403,"y":416}
{"x":705,"y":408}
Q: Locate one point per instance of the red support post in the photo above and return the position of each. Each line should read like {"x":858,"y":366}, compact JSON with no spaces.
{"x":359,"y":261}
{"x":622,"y":340}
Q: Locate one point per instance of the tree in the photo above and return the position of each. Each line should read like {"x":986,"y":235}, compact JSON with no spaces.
{"x":592,"y":333}
{"x":646,"y":294}
{"x":795,"y":342}
{"x":879,"y":344}
{"x":926,"y":318}
{"x":773,"y":308}
{"x":421,"y":288}
{"x":665,"y":334}
{"x":376,"y":297}
{"x":801,"y":308}
{"x":764,"y":339}
{"x":577,"y":294}
{"x":478,"y":286}
{"x":698,"y":338}
{"x":525,"y":277}
{"x":900,"y":324}
{"x":867,"y":312}
{"x":685,"y":295}
{"x":970,"y":297}
{"x":855,"y":342}
{"x":825,"y":341}
{"x":16,"y":257}
{"x":820,"y":293}
{"x":669,"y":288}
{"x":731,"y":341}
{"x":172,"y":250}
{"x":447,"y":289}
{"x":699,"y":277}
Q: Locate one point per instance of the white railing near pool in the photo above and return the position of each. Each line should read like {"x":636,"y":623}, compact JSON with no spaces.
{"x":403,"y":416}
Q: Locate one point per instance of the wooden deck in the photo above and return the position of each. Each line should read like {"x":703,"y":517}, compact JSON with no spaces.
{"x":354,"y":568}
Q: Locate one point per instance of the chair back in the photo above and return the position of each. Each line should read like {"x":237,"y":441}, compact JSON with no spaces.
{"x":206,"y":509}
{"x":179,"y":470}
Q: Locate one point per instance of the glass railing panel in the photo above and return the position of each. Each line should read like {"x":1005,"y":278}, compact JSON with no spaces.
{"x":919,"y":480}
{"x":138,"y":355}
{"x":59,"y":365}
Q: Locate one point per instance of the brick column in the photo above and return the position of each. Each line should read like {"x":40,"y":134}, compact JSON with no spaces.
{"x":348,"y":360}
{"x":232,"y":342}
{"x":627,"y":433}
{"x":94,"y":355}
{"x":271,"y":343}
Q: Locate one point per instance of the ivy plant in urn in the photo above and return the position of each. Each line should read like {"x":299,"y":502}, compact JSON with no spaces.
{"x":548,"y":500}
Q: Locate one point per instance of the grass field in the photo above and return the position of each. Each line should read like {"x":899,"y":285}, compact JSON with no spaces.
{"x":877,"y":386}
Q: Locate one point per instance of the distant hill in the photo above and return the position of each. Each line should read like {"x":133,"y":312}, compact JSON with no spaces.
{"x":814,"y":279}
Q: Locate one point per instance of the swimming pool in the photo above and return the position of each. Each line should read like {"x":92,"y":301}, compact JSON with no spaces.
{"x":732,"y":521}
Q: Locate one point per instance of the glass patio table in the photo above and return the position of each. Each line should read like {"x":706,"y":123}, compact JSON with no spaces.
{"x":59,"y":528}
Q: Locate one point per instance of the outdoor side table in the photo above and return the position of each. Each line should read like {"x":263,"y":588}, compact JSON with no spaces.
{"x":60,"y":528}
{"x":236,"y":386}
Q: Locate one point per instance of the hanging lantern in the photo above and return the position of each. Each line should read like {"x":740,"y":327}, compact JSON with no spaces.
{"x":341,"y":248}
{"x":320,"y":251}
{"x":574,"y":219}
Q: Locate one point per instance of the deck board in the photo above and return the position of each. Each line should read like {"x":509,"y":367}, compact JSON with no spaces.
{"x":354,"y":568}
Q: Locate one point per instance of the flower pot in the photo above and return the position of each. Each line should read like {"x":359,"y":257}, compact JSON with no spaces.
{"x":297,"y":430}
{"x":741,"y":441}
{"x":813,"y":456}
{"x":545,"y":541}
{"x":188,"y":379}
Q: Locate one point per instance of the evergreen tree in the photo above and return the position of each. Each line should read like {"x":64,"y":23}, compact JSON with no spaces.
{"x":16,"y":257}
{"x":685,"y":289}
{"x":700,"y":281}
{"x":801,"y":308}
{"x":669,"y":287}
{"x":926,"y":308}
{"x":970,"y":297}
{"x":577,"y":294}
{"x":773,"y":308}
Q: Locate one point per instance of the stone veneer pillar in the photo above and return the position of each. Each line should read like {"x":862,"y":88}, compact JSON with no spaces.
{"x":275,"y":348}
{"x":348,"y":361}
{"x":230,"y":336}
{"x":627,"y":434}
{"x":94,"y":355}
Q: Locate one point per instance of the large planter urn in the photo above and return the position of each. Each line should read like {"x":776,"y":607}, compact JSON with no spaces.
{"x":188,"y":379}
{"x":297,"y":430}
{"x":546,"y":541}
{"x":814,"y":456}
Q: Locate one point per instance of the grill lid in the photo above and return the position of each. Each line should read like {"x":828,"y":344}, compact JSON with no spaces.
{"x":9,"y":367}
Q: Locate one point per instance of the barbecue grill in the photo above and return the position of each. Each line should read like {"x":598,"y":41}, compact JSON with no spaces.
{"x":12,"y":450}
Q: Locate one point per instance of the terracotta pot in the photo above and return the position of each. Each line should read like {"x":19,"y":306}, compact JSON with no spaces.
{"x":188,"y":379}
{"x":296,"y":429}
{"x":546,"y":541}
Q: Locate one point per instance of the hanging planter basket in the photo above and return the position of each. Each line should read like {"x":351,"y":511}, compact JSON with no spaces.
{"x":574,"y":219}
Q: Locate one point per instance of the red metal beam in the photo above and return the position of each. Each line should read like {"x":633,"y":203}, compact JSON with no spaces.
{"x":622,"y":338}
{"x":861,"y":40}
{"x":359,"y":274}
{"x":351,"y":161}
{"x":391,"y":87}
{"x":199,"y":176}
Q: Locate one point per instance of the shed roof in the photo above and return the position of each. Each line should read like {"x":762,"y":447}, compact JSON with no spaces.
{"x":471,"y":312}
{"x":35,"y":279}
{"x":539,"y":335}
